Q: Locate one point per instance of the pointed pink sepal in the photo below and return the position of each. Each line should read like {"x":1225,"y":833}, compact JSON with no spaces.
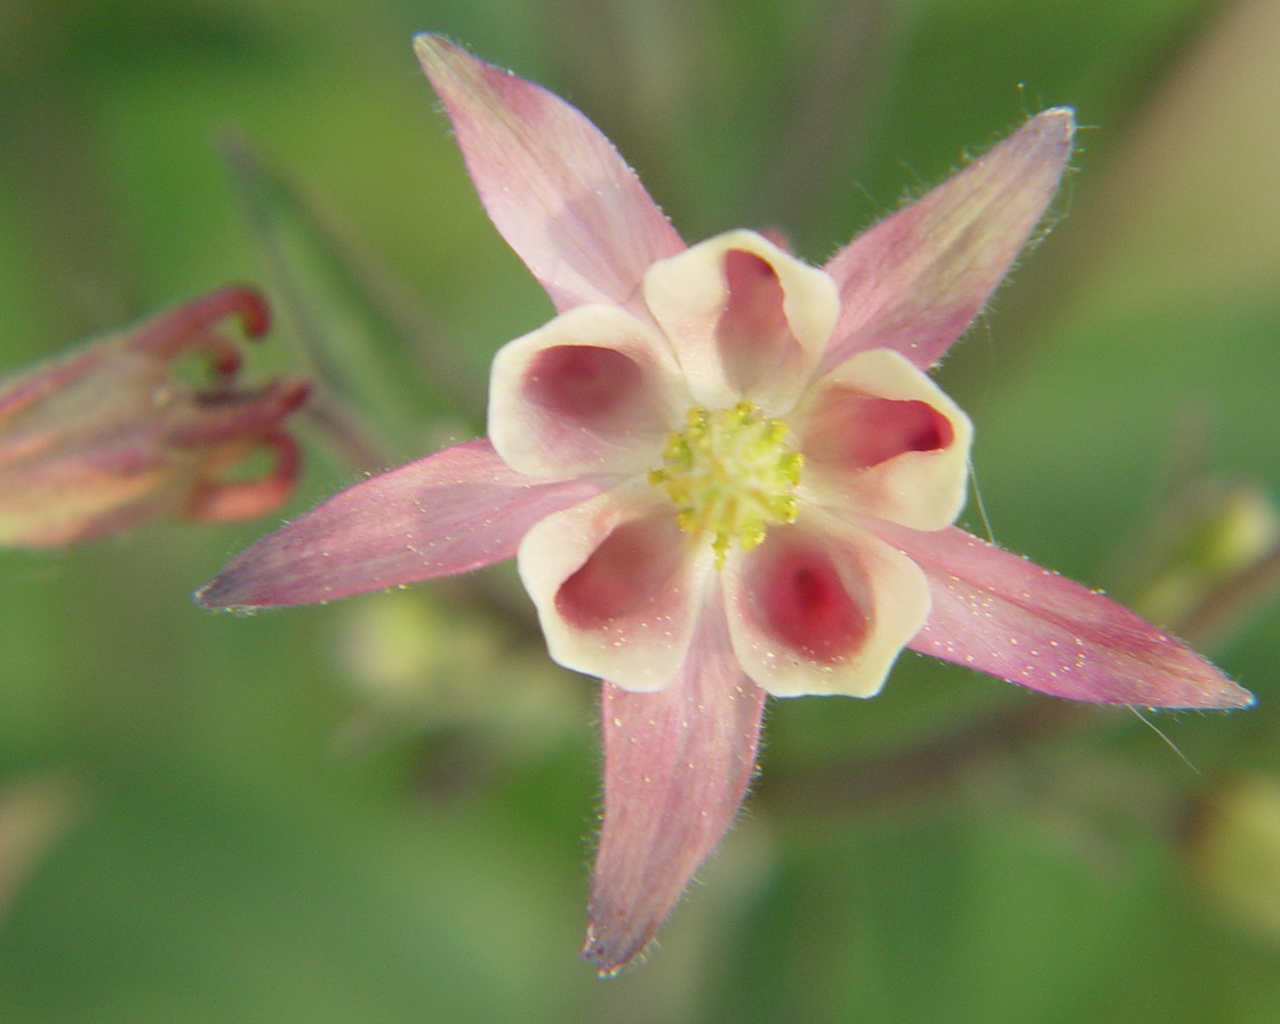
{"x":915,"y":280}
{"x":676,"y":767}
{"x":457,"y":510}
{"x":553,"y":185}
{"x":1002,"y":614}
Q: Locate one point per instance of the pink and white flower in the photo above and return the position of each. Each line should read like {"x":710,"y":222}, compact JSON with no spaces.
{"x":724,"y":474}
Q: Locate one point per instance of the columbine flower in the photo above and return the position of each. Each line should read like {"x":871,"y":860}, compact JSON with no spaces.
{"x":725,"y":474}
{"x":108,"y":437}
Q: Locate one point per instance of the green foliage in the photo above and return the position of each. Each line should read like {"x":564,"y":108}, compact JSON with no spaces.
{"x":289,"y":818}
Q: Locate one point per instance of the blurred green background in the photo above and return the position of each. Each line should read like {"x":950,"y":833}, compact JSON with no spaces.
{"x":381,"y":810}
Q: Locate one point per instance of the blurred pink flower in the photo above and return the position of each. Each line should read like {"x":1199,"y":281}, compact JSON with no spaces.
{"x":724,"y":474}
{"x":109,"y":437}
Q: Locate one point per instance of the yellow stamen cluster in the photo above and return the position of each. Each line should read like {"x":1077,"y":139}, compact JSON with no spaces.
{"x":732,"y":474}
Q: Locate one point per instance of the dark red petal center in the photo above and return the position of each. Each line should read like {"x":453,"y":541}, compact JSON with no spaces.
{"x":856,"y":431}
{"x":754,"y":338}
{"x":799,"y":597}
{"x":625,"y":575}
{"x":584,"y":382}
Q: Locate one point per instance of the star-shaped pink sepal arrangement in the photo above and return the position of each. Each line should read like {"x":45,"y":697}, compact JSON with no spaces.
{"x":724,"y":473}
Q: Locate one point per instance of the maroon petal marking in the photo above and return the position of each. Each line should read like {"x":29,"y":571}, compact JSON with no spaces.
{"x":822,"y":607}
{"x":586,"y":403}
{"x":754,"y":339}
{"x":850,"y":431}
{"x":583,"y":382}
{"x":635,"y":574}
{"x":677,"y":764}
{"x":617,"y":586}
{"x":798,"y":597}
{"x":1004,"y":615}
{"x":593,"y":391}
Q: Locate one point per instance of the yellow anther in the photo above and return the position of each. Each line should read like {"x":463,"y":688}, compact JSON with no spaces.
{"x":731,"y":473}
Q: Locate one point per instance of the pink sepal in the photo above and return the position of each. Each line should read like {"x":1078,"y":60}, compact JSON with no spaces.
{"x":1002,"y":614}
{"x":553,"y":185}
{"x":456,"y":510}
{"x":676,"y":767}
{"x":915,"y":280}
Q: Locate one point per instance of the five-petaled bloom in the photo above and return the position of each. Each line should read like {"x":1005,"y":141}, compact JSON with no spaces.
{"x":109,"y":437}
{"x":724,"y":474}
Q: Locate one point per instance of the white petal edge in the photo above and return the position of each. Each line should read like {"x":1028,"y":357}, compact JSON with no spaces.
{"x":923,"y":490}
{"x":687,"y":294}
{"x":540,"y":440}
{"x":641,"y":650}
{"x":887,"y":586}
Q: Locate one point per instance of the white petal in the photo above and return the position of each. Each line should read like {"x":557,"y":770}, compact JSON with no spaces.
{"x":593,"y":391}
{"x":617,"y":586}
{"x":880,"y":439}
{"x":745,"y":319}
{"x":815,"y":612}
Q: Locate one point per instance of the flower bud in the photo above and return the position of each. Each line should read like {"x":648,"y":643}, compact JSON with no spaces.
{"x":1235,"y":853}
{"x":111,"y":435}
{"x":1215,"y":536}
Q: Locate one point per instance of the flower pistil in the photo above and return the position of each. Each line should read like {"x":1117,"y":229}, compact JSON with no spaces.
{"x":731,"y":473}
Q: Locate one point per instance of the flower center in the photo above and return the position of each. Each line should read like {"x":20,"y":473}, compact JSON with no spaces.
{"x":732,"y":474}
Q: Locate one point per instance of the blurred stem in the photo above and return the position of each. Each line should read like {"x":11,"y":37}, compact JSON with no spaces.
{"x":926,"y":770}
{"x":494,"y":591}
{"x":1227,"y":607}
{"x":1207,"y":554}
{"x":343,"y":433}
{"x":633,"y":67}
